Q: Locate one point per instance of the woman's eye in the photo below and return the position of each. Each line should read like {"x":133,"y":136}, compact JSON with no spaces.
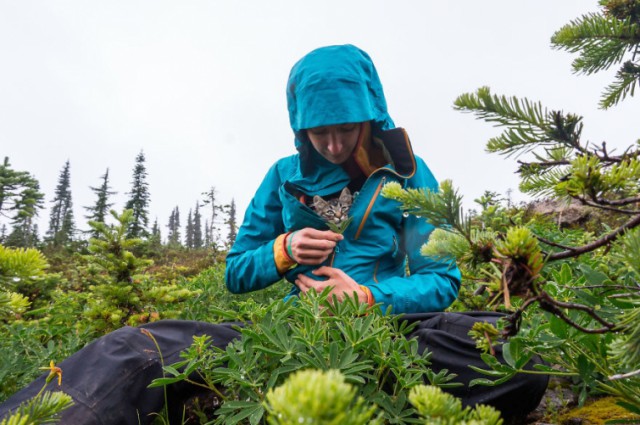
{"x":348,"y":128}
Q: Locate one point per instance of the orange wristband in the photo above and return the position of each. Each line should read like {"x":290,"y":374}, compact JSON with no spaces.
{"x":280,"y":255}
{"x":370,"y":300}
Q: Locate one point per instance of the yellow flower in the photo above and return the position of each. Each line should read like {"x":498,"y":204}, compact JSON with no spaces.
{"x":53,"y":372}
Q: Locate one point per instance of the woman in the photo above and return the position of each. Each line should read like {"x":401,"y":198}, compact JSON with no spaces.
{"x":344,"y":138}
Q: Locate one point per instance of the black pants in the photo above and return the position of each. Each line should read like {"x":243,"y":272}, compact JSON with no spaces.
{"x":108,"y":378}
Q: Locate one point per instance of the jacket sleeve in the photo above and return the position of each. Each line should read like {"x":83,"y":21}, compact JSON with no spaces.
{"x":431,"y":285}
{"x":250,"y":262}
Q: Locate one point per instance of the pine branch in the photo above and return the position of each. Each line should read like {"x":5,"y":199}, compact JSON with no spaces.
{"x":543,"y":164}
{"x":530,"y":124}
{"x":605,"y":205}
{"x":542,"y":183}
{"x":624,"y":85}
{"x":552,"y":243}
{"x":605,"y":240}
{"x":601,"y":41}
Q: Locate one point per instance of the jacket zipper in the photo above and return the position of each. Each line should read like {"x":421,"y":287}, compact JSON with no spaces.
{"x":370,"y":206}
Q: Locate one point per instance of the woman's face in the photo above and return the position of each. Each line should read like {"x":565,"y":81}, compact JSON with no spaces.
{"x":335,"y":142}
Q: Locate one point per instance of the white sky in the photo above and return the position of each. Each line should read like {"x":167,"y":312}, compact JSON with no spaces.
{"x":199,"y":86}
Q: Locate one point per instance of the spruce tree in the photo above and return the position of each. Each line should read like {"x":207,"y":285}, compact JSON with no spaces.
{"x":231,"y":222}
{"x":197,"y":228}
{"x":207,"y":235}
{"x":210,"y":199}
{"x":101,"y":208}
{"x":20,"y":199}
{"x":155,"y":230}
{"x":173,"y":237}
{"x":139,"y":200}
{"x":603,"y":40}
{"x":61,"y":222}
{"x":155,"y":240}
{"x":189,"y":231}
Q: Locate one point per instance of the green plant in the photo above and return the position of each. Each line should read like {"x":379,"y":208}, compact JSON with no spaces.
{"x":368,"y":347}
{"x":440,"y":408}
{"x":577,"y":298}
{"x":317,"y":397}
{"x":119,"y":293}
{"x":45,"y":407}
{"x":23,"y":270}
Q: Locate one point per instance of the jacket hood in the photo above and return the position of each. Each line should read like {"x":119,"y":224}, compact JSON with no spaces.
{"x":335,"y":85}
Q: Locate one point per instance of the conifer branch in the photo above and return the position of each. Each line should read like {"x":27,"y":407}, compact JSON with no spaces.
{"x":552,"y":243}
{"x":605,"y":206}
{"x":530,"y":124}
{"x":601,"y":41}
{"x":624,"y":85}
{"x":610,"y":237}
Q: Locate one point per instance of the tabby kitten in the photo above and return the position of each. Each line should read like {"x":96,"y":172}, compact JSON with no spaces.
{"x":334,"y":210}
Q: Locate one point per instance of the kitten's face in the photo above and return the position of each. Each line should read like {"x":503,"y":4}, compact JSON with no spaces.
{"x":334,"y":210}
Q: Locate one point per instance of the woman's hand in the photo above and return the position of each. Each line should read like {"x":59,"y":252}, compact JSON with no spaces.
{"x":341,"y":283}
{"x":311,"y":246}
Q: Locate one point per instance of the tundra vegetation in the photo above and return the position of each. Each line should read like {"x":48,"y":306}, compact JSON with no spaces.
{"x":570,"y":290}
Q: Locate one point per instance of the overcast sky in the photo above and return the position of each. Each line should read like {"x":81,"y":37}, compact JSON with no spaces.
{"x":199,"y":86}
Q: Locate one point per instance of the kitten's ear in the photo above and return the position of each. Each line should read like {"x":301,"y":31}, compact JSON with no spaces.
{"x":345,"y":195}
{"x":318,"y":202}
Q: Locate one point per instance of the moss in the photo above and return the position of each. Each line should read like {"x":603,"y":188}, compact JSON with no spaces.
{"x":597,"y":412}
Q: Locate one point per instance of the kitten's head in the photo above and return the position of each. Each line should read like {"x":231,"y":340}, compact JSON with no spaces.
{"x":334,"y":210}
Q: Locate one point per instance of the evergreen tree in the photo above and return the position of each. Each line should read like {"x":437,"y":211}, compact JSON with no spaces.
{"x":61,"y":222}
{"x":189,"y":231}
{"x":173,"y":237}
{"x":155,"y":230}
{"x":210,"y":199}
{"x":197,"y":228}
{"x":101,"y":208}
{"x":604,"y":40}
{"x":207,"y":235}
{"x":231,"y":222}
{"x":20,"y":199}
{"x":155,"y":240}
{"x":139,"y":200}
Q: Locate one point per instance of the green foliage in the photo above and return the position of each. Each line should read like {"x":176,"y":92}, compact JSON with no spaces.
{"x":602,"y":40}
{"x":139,"y":199}
{"x":12,"y":304}
{"x":24,"y":346}
{"x":368,"y":347}
{"x":440,"y":408}
{"x":317,"y":397}
{"x":520,"y":245}
{"x":21,"y":270}
{"x":61,"y":221}
{"x":21,"y":197}
{"x":98,"y":211}
{"x":118,"y":293}
{"x":212,"y":302}
{"x":442,"y":209}
{"x":529,"y":125}
{"x":43,"y":409}
{"x":579,"y":312}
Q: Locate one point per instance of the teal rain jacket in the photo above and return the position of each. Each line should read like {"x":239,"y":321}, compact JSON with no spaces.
{"x":336,"y":85}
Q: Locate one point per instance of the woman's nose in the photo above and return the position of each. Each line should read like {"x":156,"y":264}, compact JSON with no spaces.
{"x":333,"y":144}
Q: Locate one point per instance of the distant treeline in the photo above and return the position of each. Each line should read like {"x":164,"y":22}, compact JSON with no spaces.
{"x":21,"y":200}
